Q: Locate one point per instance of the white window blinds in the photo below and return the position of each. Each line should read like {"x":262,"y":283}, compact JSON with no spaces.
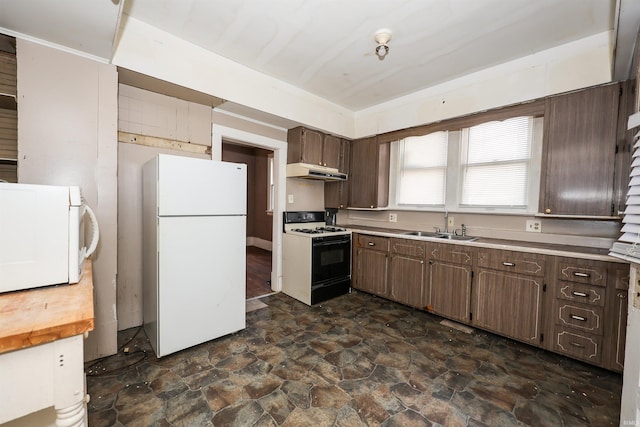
{"x":423,"y":166}
{"x":494,"y":163}
{"x":628,"y":245}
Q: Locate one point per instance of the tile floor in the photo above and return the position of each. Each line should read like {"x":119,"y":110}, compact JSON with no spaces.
{"x":353,"y":361}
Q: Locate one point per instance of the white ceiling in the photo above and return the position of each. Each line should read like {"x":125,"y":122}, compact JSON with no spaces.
{"x":327,"y":47}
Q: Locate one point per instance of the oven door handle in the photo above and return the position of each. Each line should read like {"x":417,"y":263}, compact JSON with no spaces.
{"x":331,"y":242}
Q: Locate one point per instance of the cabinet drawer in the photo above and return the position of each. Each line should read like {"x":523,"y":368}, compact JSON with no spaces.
{"x":451,"y":253}
{"x":408,"y":247}
{"x":578,"y":345}
{"x":373,"y":242}
{"x":581,"y":293}
{"x":516,"y":262}
{"x":582,"y":271}
{"x":587,"y":319}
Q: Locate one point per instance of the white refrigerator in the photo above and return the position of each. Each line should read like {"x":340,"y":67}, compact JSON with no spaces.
{"x":194,"y":244}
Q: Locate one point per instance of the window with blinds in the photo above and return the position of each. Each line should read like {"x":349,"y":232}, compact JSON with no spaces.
{"x":491,"y":167}
{"x":422,"y":171}
{"x":628,"y":245}
{"x":494,"y":163}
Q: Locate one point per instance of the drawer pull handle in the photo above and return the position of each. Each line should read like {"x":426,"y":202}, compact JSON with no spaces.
{"x":508,"y":264}
{"x":579,"y":294}
{"x":580,"y":318}
{"x":575,"y":344}
{"x":371,"y":244}
{"x":579,"y":274}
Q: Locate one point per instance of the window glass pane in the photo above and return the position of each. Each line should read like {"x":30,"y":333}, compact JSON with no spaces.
{"x":422,"y":170}
{"x":425,"y":151}
{"x":422,"y":187}
{"x":495,"y":185}
{"x":500,"y":141}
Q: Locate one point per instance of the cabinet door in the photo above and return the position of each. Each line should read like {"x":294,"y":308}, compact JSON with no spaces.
{"x":580,"y":130}
{"x":369,"y":174}
{"x":331,"y":151}
{"x":311,"y":150}
{"x":616,"y":358}
{"x":371,"y":271}
{"x":336,"y":194}
{"x":406,"y":280}
{"x":449,"y":290}
{"x":509,"y":304}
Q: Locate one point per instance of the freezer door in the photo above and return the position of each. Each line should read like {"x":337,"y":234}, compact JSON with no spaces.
{"x":188,"y":186}
{"x":201,"y":283}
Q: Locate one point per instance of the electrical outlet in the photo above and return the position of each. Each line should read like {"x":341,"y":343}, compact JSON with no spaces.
{"x":393,"y":217}
{"x":450,"y":223}
{"x":534,"y":226}
{"x":290,"y":198}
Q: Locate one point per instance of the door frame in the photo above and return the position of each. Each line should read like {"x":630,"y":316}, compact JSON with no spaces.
{"x":279,"y":148}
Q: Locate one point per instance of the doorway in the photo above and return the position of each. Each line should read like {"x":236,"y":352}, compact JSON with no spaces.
{"x":260,"y":189}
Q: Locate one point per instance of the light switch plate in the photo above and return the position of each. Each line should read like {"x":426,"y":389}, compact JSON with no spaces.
{"x":393,"y":217}
{"x":290,"y":198}
{"x":451,"y":223}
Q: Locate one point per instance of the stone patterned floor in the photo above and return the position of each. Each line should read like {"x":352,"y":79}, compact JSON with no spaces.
{"x":353,"y":361}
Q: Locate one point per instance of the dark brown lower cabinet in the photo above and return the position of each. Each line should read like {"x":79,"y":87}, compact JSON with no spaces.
{"x":371,"y":264}
{"x":407,"y":272}
{"x":615,"y":360}
{"x":572,"y":306}
{"x":508,"y":304}
{"x":449,"y":290}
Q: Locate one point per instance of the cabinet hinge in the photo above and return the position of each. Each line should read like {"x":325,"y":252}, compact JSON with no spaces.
{"x":620,"y":90}
{"x":541,"y":337}
{"x":471,"y":274}
{"x":544,"y":288}
{"x":470,"y":317}
{"x":612,"y":209}
{"x":617,"y":148}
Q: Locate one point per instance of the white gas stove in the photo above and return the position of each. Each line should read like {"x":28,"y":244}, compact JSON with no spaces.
{"x":316,"y":258}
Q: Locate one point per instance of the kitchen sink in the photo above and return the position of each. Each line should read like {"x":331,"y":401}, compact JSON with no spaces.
{"x":440,"y":235}
{"x":454,"y":237}
{"x":422,"y":234}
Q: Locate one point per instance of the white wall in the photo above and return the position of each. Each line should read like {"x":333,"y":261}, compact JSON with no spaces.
{"x":146,"y":113}
{"x":153,"y":52}
{"x":67,"y":109}
{"x":579,"y":64}
{"x":568,"y":67}
{"x":630,"y":408}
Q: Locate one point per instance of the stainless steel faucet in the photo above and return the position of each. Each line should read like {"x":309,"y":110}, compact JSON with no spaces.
{"x":446,"y":221}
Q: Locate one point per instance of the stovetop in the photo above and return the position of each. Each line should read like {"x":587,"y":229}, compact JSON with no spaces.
{"x":318,"y":230}
{"x":310,"y":224}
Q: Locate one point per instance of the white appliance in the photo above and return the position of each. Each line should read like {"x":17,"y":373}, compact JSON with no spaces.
{"x":316,"y":258}
{"x":194,"y":243}
{"x":42,"y":235}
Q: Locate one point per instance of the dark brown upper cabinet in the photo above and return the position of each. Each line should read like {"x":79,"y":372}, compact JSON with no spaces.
{"x":369,"y":174}
{"x":580,"y":144}
{"x":313,"y":147}
{"x":336,"y":194}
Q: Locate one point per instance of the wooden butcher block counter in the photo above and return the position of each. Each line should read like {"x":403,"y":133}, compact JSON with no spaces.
{"x":42,"y":353}
{"x":41,"y":315}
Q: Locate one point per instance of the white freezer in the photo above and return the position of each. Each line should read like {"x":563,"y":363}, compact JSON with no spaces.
{"x":188,"y":186}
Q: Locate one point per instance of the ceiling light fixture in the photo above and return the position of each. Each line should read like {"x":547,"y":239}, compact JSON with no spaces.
{"x":382,"y":37}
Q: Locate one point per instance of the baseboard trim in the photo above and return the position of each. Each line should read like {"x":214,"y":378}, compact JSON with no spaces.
{"x":260,"y":243}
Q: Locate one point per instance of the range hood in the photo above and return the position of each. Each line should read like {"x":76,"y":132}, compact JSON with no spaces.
{"x":305,"y":170}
